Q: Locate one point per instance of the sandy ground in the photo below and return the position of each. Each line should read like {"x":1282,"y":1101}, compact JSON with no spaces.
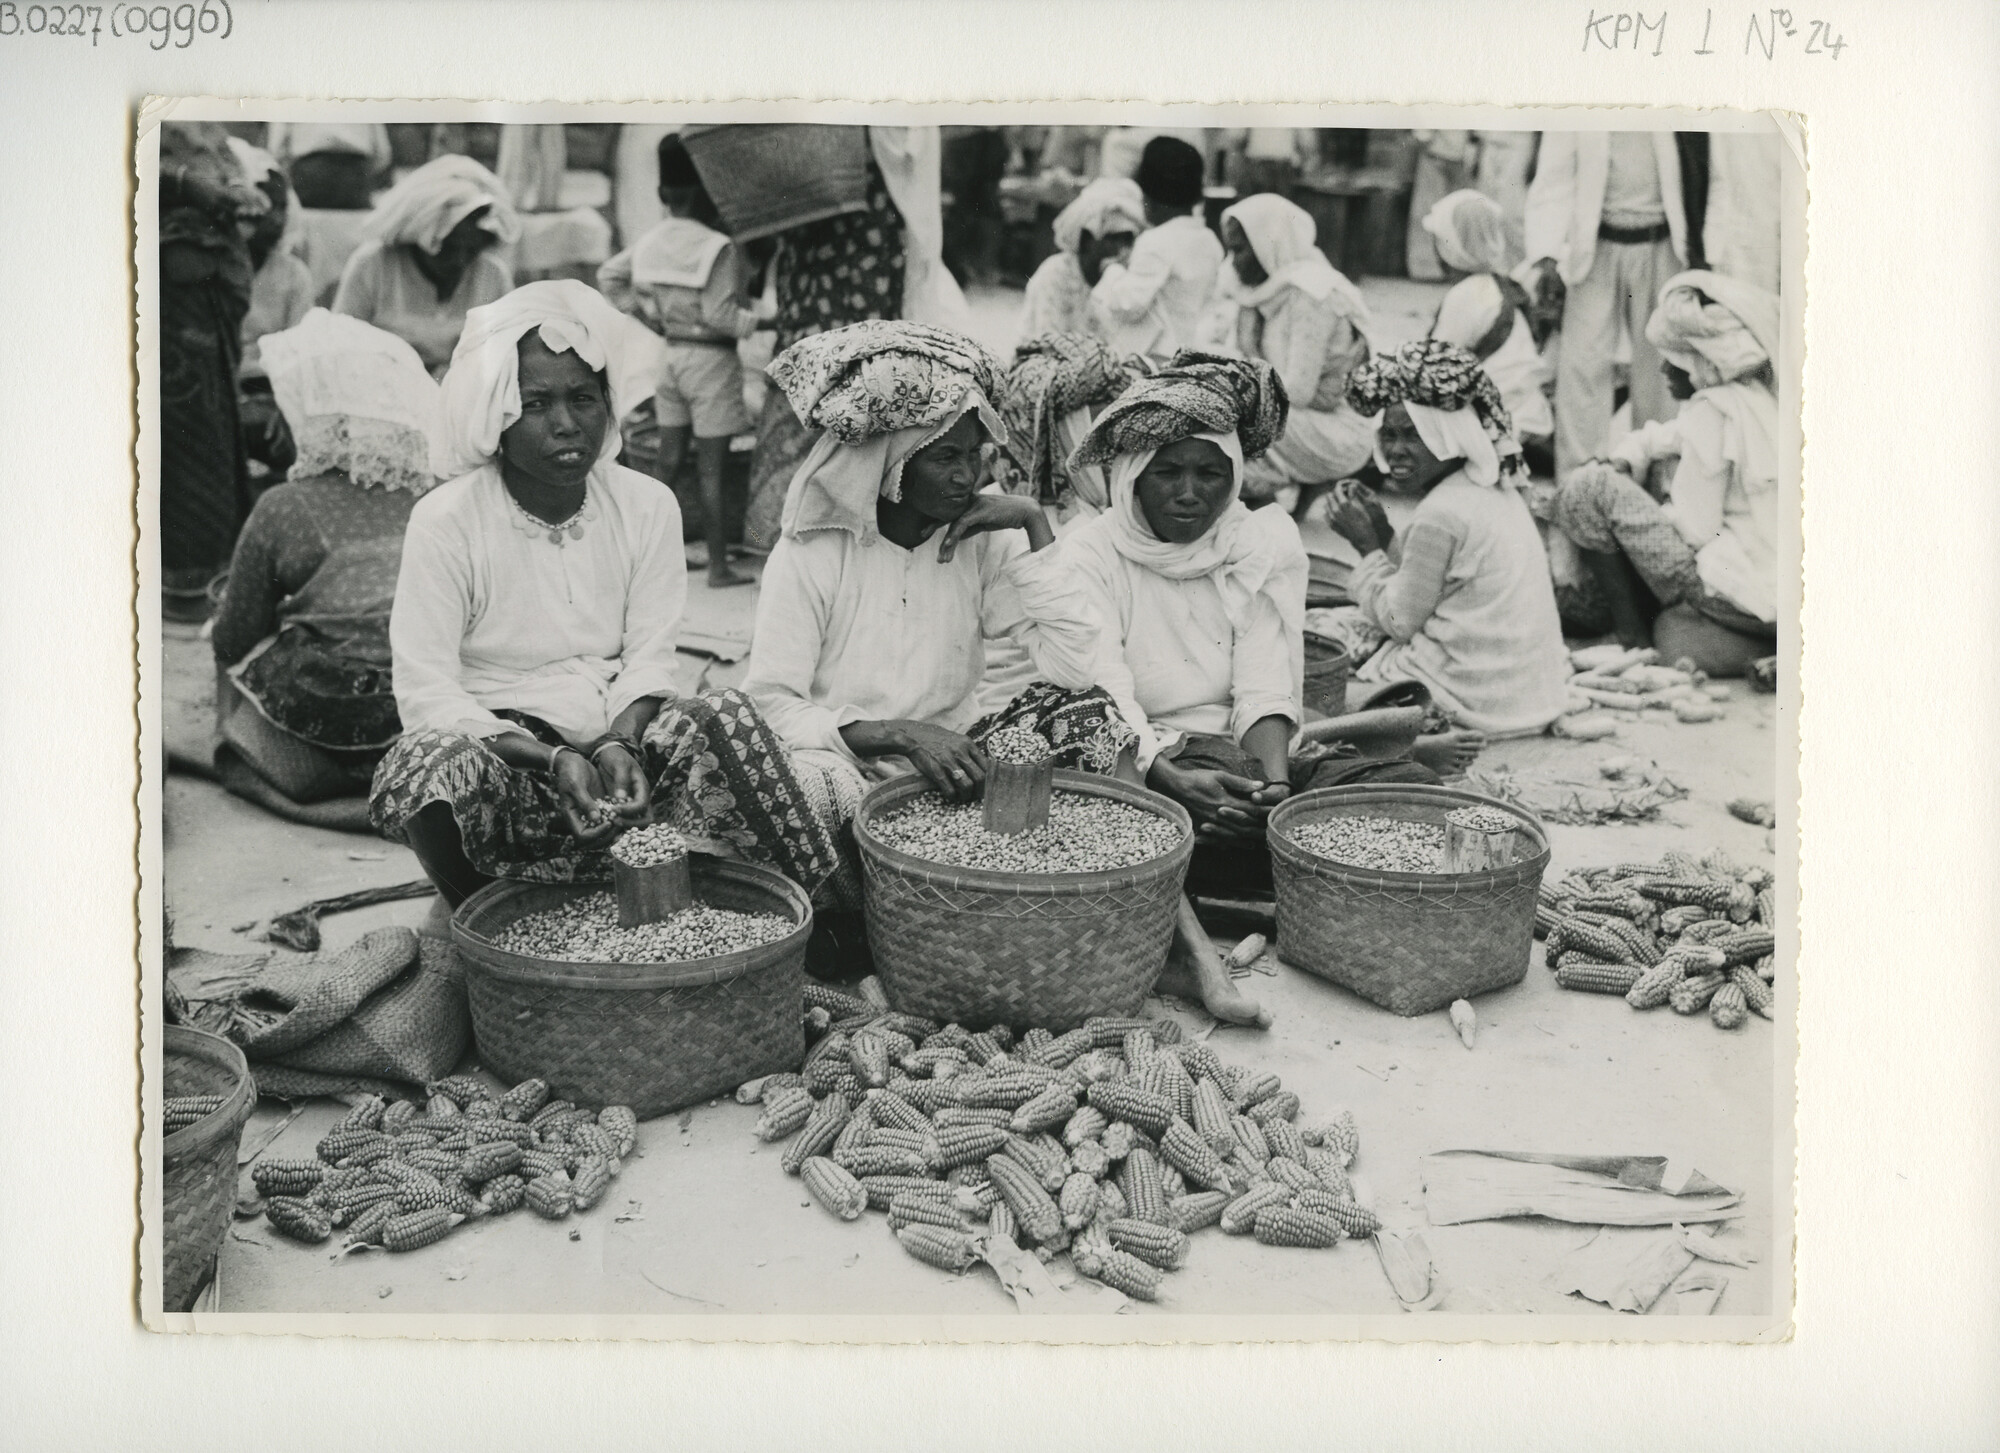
{"x":702,"y":1220}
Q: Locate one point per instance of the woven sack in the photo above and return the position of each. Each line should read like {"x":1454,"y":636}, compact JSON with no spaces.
{"x":390,"y":1006}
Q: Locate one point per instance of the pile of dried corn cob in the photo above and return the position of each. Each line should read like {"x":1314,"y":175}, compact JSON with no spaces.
{"x":1114,"y":1142}
{"x":1696,"y":933}
{"x":401,"y":1177}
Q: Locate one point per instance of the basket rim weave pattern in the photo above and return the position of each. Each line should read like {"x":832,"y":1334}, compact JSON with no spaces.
{"x":226,"y":1119}
{"x":1311,"y":804}
{"x":484,"y":956}
{"x":896,"y":790}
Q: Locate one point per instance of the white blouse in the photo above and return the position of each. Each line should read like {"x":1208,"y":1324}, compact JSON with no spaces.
{"x":1170,"y":658}
{"x":850,"y":631}
{"x":489,"y":613}
{"x":1154,"y":302}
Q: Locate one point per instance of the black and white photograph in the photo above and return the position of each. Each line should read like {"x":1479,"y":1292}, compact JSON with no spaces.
{"x":765,"y":724}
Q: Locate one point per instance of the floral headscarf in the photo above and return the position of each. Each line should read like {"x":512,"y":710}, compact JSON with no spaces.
{"x":879,"y":391}
{"x":1197,"y":393}
{"x":1052,"y":379}
{"x":1438,"y":380}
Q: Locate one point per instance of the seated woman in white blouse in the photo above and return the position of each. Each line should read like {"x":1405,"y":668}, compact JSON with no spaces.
{"x":894,"y":571}
{"x":534,"y":626}
{"x":1203,"y":607}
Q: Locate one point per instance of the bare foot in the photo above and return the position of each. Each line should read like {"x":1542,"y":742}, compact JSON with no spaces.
{"x":725,"y":577}
{"x":1449,"y":753}
{"x":1195,"y":971}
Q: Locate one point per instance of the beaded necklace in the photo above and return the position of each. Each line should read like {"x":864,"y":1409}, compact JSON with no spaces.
{"x":554,"y":533}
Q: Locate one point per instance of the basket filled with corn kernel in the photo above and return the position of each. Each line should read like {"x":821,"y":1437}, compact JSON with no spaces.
{"x":656,"y":1016}
{"x":1114,"y":1142}
{"x":1410,"y":895}
{"x":1050,"y":926}
{"x":400,"y":1176}
{"x":1690,"y":933}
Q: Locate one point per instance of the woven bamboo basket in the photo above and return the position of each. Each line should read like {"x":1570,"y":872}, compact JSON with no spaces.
{"x":1024,"y":949}
{"x":652,"y":1036}
{"x":1410,"y":942}
{"x":767,"y":178}
{"x":1328,"y":670}
{"x":198,"y":1163}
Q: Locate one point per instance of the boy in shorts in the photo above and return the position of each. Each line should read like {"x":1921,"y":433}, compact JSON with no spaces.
{"x":685,"y":280}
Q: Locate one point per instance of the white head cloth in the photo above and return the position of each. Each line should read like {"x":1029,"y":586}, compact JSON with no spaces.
{"x":1109,"y":204}
{"x":481,"y":394}
{"x":1470,"y":231}
{"x":356,"y":399}
{"x":425,"y":205}
{"x":1453,"y":434}
{"x":1715,"y":342}
{"x":1282,"y":235}
{"x":1470,"y":311}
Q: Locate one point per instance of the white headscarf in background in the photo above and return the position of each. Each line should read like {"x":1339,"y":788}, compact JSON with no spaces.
{"x":1470,"y":231}
{"x":1107,"y":205}
{"x":356,"y":399}
{"x":425,"y":205}
{"x":1282,"y":235}
{"x":1471,"y":313}
{"x":910,"y":159}
{"x":1246,"y":552}
{"x":481,"y":394}
{"x":259,"y":164}
{"x":1718,"y":341}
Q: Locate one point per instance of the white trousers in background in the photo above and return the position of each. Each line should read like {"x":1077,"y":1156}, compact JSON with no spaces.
{"x":1621,"y":289}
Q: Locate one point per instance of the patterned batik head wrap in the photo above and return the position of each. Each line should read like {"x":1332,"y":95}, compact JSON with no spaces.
{"x":879,"y":391}
{"x":1197,"y":393}
{"x":1054,"y":378}
{"x":1441,"y":380}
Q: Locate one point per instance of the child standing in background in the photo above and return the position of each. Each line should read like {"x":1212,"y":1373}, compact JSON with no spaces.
{"x":686,"y":281}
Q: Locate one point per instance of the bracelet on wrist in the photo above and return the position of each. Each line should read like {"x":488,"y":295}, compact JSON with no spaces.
{"x":611,"y":739}
{"x":555,"y":756}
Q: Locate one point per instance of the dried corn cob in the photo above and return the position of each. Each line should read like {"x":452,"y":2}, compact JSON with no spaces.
{"x":822,"y":996}
{"x":1289,"y":1173}
{"x":373,"y":1151}
{"x":1033,"y":1039}
{"x":1138,"y":1046}
{"x":1357,"y":1221}
{"x":550,"y":1111}
{"x":822,"y":1127}
{"x":300,"y":1220}
{"x":442,"y":1107}
{"x":890,"y":1108}
{"x":1730,"y":1006}
{"x":1121,"y":1137}
{"x":1123,"y":1101}
{"x":1052,"y":1106}
{"x":1201,"y":1062}
{"x":486,"y":1132}
{"x":837,"y":1191}
{"x":983,"y":1048}
{"x":963,"y":1144}
{"x":1621,"y":904}
{"x":868,"y":1053}
{"x":880,"y":1160}
{"x":549,"y":1196}
{"x":1599,"y":978}
{"x":397,"y":1116}
{"x":1284,"y":1226}
{"x":1260,"y":1085}
{"x":485,"y":1107}
{"x":1039,"y":1218}
{"x":1282,"y":1106}
{"x":1087,"y":1123}
{"x":1121,"y":1271}
{"x":832,"y":1077}
{"x":1329,"y":1172}
{"x":1197,"y":1211}
{"x":946,"y":1250}
{"x":1284,"y":1139}
{"x":521,"y":1102}
{"x":1089,"y":1157}
{"x":1000,"y":1222}
{"x":1172,"y":1182}
{"x":342,"y":1141}
{"x":784,"y":1113}
{"x":1691,"y":996}
{"x":1678,"y":919}
{"x":1211,"y":1116}
{"x":1063,"y":1049}
{"x":1251,"y":1139}
{"x":366,"y":1228}
{"x":1049,"y":1167}
{"x":909,"y":1209}
{"x":538,"y":1163}
{"x":1598,"y":942}
{"x":1709,"y":931}
{"x":1756,"y":993}
{"x":621,"y":1123}
{"x":991,"y":1116}
{"x":1009,"y":1091}
{"x":919,"y":1143}
{"x":1645,"y":948}
{"x":939,"y":1060}
{"x":483,"y":1162}
{"x":366,"y":1113}
{"x":462,"y":1088}
{"x":589,"y":1183}
{"x":1193,"y":1157}
{"x":287,"y":1177}
{"x":1240,"y":1215}
{"x":1078,"y":1200}
{"x":1139,"y":1181}
{"x":1653,"y":988}
{"x":1547,"y":917}
{"x":1766,"y":909}
{"x":1178,"y":1084}
{"x":881,"y":1190}
{"x":503,"y":1193}
{"x":1107,"y":1032}
{"x":590,"y":1138}
{"x":416,"y":1229}
{"x":1747,"y":945}
{"x":1155,"y":1244}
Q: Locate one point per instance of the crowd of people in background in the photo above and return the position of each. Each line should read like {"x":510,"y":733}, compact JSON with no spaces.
{"x":426,"y":416}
